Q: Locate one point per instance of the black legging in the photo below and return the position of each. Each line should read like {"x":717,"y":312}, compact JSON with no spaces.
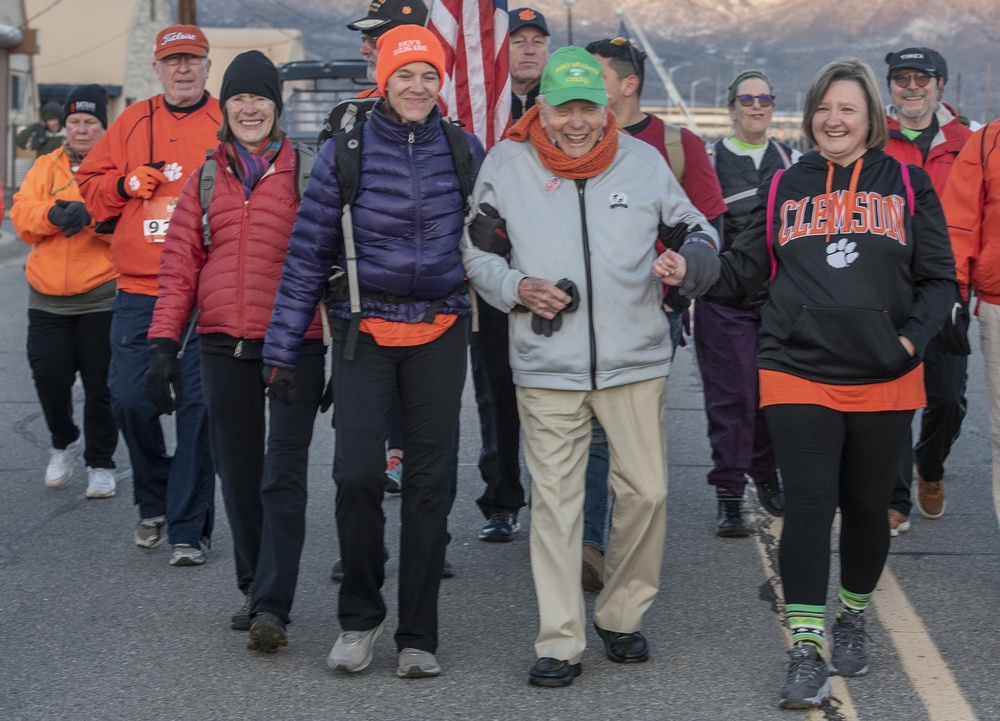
{"x":830,"y":458}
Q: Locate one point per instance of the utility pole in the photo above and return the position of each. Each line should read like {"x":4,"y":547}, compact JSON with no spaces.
{"x":187,"y":12}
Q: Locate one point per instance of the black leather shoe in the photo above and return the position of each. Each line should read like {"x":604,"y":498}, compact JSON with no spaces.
{"x":553,"y":672}
{"x":731,"y":523}
{"x":770,"y":495}
{"x":624,"y":647}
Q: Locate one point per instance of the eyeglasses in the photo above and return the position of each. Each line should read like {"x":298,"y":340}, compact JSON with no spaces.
{"x":765,"y":101}
{"x":903,"y":80}
{"x":172,"y":61}
{"x":635,"y":57}
{"x":369,"y":39}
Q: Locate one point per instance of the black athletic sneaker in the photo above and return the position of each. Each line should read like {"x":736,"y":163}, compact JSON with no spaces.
{"x":770,"y":495}
{"x":849,"y":657}
{"x":808,"y":681}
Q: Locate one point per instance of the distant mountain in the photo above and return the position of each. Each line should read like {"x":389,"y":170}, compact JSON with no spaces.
{"x":789,"y":39}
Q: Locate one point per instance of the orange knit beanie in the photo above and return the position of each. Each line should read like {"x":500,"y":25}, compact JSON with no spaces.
{"x":404,"y":45}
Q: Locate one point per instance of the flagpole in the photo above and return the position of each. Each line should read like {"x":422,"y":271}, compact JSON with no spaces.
{"x":668,"y":82}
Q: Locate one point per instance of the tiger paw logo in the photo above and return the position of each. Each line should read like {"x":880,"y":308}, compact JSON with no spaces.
{"x":527,"y":14}
{"x":842,"y":253}
{"x":173,"y":172}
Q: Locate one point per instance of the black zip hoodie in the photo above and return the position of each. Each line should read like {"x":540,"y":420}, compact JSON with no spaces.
{"x":856,"y":268}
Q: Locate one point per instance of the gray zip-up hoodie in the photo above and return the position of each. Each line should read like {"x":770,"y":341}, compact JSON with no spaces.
{"x":599,"y":233}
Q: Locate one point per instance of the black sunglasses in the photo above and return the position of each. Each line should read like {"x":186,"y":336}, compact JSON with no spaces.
{"x":633,"y":56}
{"x":765,"y":101}
{"x":903,"y":80}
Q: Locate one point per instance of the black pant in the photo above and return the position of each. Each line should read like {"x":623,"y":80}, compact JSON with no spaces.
{"x":499,"y":423}
{"x":265,"y":493}
{"x":940,"y":423}
{"x":429,"y":380}
{"x":829,"y":459}
{"x":59,"y":346}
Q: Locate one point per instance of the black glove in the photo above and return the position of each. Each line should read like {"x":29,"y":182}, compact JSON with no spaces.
{"x":488,"y":231}
{"x":163,"y":374}
{"x":674,"y":301}
{"x":672,"y":238}
{"x":546,"y":327}
{"x":702,"y":265}
{"x":70,"y":216}
{"x":954,"y":335}
{"x":39,"y":137}
{"x":280,"y":384}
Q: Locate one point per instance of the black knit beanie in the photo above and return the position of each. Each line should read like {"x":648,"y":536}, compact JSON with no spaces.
{"x":251,"y":72}
{"x":52,"y":111}
{"x":87,"y":99}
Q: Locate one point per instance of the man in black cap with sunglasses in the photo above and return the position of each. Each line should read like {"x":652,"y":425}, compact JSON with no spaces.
{"x":925,"y":132}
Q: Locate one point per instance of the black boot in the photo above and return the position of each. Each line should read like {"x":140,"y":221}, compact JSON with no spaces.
{"x":731,"y":523}
{"x":770,"y":495}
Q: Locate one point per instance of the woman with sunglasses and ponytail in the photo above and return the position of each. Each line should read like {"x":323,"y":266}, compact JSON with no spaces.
{"x":725,"y":335}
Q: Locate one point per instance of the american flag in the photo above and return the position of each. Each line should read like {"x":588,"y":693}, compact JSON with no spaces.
{"x":476,"y":88}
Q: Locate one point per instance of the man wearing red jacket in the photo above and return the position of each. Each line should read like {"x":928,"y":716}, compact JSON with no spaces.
{"x":971,"y":202}
{"x":925,"y":132}
{"x":135,"y":174}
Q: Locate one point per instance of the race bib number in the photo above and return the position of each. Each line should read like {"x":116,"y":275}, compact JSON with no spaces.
{"x":157,"y":213}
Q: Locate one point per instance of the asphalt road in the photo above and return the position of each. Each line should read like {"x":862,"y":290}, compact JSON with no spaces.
{"x":94,"y":628}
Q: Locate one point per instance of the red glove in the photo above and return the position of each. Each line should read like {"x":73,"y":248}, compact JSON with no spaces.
{"x":142,"y":181}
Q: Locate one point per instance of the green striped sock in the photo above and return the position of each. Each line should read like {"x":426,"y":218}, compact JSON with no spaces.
{"x":806,"y":623}
{"x":853,"y":602}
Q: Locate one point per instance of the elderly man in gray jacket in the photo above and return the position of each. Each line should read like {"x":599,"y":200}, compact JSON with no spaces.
{"x":569,"y":211}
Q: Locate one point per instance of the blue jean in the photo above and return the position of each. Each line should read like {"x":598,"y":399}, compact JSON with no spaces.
{"x":182,"y":486}
{"x":595,"y":503}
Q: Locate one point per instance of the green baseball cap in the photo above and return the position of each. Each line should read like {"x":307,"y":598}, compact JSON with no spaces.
{"x":573,"y":74}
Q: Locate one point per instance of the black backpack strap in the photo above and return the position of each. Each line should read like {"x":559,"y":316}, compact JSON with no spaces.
{"x":458,"y":142}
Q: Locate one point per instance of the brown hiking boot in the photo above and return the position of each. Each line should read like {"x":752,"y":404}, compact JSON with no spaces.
{"x":930,"y":497}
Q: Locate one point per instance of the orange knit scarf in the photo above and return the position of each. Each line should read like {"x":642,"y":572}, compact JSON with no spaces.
{"x":529,"y":127}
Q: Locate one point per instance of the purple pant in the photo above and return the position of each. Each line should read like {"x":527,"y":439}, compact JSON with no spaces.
{"x":725,"y":342}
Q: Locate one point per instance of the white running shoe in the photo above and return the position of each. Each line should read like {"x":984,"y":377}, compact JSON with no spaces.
{"x":100,"y":482}
{"x":61,"y":462}
{"x":354,"y":650}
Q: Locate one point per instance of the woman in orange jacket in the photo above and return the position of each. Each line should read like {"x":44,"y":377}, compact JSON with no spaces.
{"x":71,"y":287}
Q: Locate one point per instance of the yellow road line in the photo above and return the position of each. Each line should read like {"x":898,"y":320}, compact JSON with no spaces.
{"x":922,"y":663}
{"x":768,"y":531}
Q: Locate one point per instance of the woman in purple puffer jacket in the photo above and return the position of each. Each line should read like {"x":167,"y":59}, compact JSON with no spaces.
{"x":409,"y":337}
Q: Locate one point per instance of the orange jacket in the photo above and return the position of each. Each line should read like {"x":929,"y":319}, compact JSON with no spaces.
{"x":58,"y":265}
{"x":146,"y":132}
{"x":971,"y":202}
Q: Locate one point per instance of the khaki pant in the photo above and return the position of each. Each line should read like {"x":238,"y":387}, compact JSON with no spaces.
{"x":557,"y":427}
{"x":989,"y":342}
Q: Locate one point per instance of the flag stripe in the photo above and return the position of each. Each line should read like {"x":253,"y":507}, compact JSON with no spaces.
{"x":476,"y":88}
